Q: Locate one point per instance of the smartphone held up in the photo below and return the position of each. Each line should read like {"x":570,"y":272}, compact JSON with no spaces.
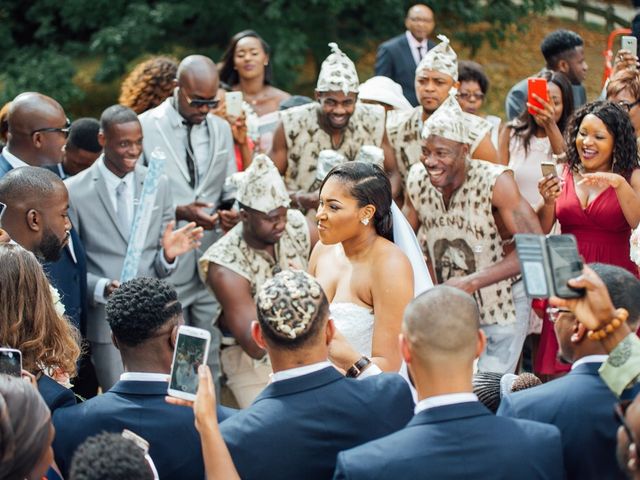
{"x":191,"y":351}
{"x":11,"y":362}
{"x":539,"y":87}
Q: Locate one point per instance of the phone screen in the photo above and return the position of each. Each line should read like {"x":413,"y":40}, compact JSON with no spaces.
{"x":565,"y":264}
{"x":189,"y":355}
{"x":10,"y":362}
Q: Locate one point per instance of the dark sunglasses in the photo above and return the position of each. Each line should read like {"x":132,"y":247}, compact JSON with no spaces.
{"x":626,"y":106}
{"x":64,"y":130}
{"x":199,"y":102}
{"x":620,"y":411}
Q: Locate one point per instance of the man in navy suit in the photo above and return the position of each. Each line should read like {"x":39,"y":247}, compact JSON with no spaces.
{"x":398,"y":58}
{"x":310,"y":411}
{"x":144,"y":315}
{"x":580,"y":404}
{"x":452,"y":435}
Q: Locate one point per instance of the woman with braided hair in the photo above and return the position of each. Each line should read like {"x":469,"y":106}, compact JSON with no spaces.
{"x":26,"y":432}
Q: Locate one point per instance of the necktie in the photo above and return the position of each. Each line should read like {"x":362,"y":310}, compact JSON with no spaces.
{"x":191,"y":165}
{"x":122,"y":209}
{"x":420,"y":55}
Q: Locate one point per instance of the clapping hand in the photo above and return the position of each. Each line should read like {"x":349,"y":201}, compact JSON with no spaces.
{"x":180,"y":241}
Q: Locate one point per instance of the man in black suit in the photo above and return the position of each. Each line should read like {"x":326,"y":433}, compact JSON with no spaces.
{"x":398,"y":58}
{"x":144,"y":315}
{"x":580,"y":404}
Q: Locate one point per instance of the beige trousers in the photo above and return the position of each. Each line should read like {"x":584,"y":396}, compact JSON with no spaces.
{"x":246,"y":377}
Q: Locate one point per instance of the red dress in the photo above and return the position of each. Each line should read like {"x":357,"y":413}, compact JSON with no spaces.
{"x":603,"y":235}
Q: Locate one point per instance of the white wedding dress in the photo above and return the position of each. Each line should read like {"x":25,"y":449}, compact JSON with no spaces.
{"x":355,"y":322}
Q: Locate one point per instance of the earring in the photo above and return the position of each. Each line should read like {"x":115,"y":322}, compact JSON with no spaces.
{"x":365,"y":221}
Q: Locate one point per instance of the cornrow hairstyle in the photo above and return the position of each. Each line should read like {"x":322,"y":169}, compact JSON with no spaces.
{"x":486,"y":385}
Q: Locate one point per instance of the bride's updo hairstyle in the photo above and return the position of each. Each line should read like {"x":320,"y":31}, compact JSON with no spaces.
{"x":292,"y":308}
{"x":369,"y":185}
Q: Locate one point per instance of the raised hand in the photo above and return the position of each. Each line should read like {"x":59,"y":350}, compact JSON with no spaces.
{"x":181,"y":241}
{"x":204,"y":407}
{"x":602,"y":179}
{"x":545,"y":116}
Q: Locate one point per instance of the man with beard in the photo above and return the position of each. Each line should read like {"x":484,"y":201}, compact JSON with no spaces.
{"x":36,"y":215}
{"x":474,"y":205}
{"x":336,"y":121}
{"x":269,"y":238}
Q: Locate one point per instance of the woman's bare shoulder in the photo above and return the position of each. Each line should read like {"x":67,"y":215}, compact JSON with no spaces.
{"x":387,"y":254}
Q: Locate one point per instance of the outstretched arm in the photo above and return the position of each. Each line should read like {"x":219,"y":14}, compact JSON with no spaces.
{"x":278,"y":152}
{"x":391,"y":167}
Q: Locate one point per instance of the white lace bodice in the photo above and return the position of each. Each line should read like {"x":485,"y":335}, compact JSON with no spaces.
{"x":355,"y":323}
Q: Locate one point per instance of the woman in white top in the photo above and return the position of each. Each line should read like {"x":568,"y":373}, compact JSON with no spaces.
{"x":367,"y":278}
{"x":530,"y":140}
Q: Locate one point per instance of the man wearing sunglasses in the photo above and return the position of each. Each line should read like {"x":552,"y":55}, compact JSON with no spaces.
{"x":200,"y":156}
{"x":580,"y":404}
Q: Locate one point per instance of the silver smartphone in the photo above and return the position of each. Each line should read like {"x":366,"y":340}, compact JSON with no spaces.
{"x":629,"y":43}
{"x":233,"y":103}
{"x":11,"y":362}
{"x":192,"y":349}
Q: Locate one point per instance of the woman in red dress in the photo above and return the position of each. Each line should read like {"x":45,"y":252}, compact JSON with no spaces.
{"x":597,"y":198}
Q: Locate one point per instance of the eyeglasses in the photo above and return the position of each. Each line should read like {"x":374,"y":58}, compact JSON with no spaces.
{"x":619,"y":412}
{"x":469,"y":96}
{"x":626,"y":106}
{"x":64,"y":130}
{"x":201,"y":102}
{"x":554,"y":313}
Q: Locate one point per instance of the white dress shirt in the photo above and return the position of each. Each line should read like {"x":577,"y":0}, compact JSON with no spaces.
{"x":414,"y":44}
{"x":199,"y":140}
{"x":370,"y":371}
{"x":14,"y":161}
{"x":442,"y":400}
{"x":590,"y":359}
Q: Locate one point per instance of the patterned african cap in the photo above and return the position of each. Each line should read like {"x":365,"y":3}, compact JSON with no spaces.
{"x":441,"y":58}
{"x":338,"y":73}
{"x":289,"y":302}
{"x":260,"y":186}
{"x":448,"y":122}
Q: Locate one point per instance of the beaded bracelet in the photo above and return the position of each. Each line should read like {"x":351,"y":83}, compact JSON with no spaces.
{"x":620,"y":316}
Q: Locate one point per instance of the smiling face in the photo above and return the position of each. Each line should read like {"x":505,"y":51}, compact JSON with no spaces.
{"x":249,"y":58}
{"x":339,"y":214}
{"x":432,"y":88}
{"x":337,"y":108}
{"x":122,"y":145}
{"x":445,"y":161}
{"x":594,"y":143}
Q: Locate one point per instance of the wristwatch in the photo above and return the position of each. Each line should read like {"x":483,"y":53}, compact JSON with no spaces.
{"x":357,"y":368}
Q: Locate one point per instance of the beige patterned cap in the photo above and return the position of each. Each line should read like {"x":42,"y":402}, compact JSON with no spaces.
{"x":289,"y":302}
{"x":441,"y":58}
{"x":338,"y":73}
{"x":447,"y":122}
{"x":260,"y":186}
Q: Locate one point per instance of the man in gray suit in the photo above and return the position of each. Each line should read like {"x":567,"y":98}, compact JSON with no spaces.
{"x":200,"y":156}
{"x":103,"y":203}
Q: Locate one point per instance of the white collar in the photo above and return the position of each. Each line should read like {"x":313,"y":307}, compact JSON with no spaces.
{"x":111,"y":178}
{"x":414,"y":43}
{"x":144,"y":377}
{"x":442,"y":400}
{"x":589,"y":359}
{"x":14,"y":161}
{"x":299,"y":371}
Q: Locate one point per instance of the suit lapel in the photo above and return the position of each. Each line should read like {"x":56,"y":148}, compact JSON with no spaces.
{"x":103,"y":195}
{"x":406,"y":52}
{"x":163,"y":126}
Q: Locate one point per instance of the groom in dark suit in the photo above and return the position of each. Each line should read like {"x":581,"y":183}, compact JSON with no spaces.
{"x":452,"y":434}
{"x":398,"y":58}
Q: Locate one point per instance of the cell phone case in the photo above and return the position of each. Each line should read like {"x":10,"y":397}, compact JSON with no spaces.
{"x":539,"y":87}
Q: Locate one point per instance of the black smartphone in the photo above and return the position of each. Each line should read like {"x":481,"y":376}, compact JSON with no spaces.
{"x":11,"y":362}
{"x":226,"y":204}
{"x":565,"y":263}
{"x":548,"y":263}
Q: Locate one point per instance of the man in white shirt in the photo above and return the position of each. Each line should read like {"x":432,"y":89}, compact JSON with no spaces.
{"x":310,"y":411}
{"x":452,"y":434}
{"x":580,"y":404}
{"x":103,"y":204}
{"x":144,"y":315}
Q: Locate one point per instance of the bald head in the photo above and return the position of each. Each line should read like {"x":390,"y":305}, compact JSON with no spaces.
{"x":197,"y":68}
{"x":35,"y":125}
{"x":28,"y":187}
{"x":442,"y":324}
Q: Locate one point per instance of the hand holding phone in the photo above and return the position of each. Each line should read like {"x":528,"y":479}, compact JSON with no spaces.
{"x":536,"y":86}
{"x":192,"y":350}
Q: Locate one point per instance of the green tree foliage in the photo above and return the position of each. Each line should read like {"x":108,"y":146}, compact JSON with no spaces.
{"x":41,"y":38}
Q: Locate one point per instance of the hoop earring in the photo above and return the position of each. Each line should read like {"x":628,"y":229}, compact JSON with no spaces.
{"x":365,"y":221}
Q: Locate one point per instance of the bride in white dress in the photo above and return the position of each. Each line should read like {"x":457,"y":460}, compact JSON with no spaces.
{"x":367,"y":278}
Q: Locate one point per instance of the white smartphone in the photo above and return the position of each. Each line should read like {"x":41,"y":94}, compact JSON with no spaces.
{"x":630,"y":43}
{"x":11,"y":362}
{"x":192,"y":349}
{"x":233,"y":102}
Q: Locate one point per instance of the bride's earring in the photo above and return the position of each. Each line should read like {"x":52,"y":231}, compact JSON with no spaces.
{"x":365,"y":221}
